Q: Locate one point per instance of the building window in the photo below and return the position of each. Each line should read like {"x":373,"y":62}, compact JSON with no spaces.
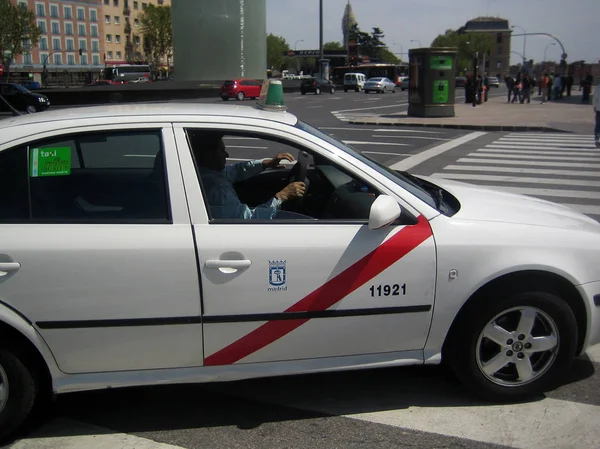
{"x":68,"y":12}
{"x":109,"y":55}
{"x":81,"y":29}
{"x":136,"y":5}
{"x":117,"y":20}
{"x":500,"y":49}
{"x":55,"y":27}
{"x":107,"y":2}
{"x":40,"y":10}
{"x":43,"y":57}
{"x":56,"y":43}
{"x":83,"y":44}
{"x":80,"y":13}
{"x":27,"y":59}
{"x":136,"y":22}
{"x":499,"y":64}
{"x":106,"y":19}
{"x":71,"y":59}
{"x":84,"y":59}
{"x":95,"y":46}
{"x":136,"y":39}
{"x":42,"y":26}
{"x":70,"y":45}
{"x":119,"y":55}
{"x":69,"y":29}
{"x":57,"y":59}
{"x":96,"y":59}
{"x":54,"y":11}
{"x":144,"y":5}
{"x":109,"y":38}
{"x":93,"y":15}
{"x":43,"y":43}
{"x":94,"y":30}
{"x":499,"y":38}
{"x":118,"y":39}
{"x":115,"y":2}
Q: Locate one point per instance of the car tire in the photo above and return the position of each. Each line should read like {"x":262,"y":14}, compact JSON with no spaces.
{"x":240,"y":96}
{"x":30,"y":109}
{"x":473,"y":355}
{"x":18,"y":392}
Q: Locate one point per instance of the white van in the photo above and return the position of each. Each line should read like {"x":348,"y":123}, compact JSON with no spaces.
{"x":354,"y":81}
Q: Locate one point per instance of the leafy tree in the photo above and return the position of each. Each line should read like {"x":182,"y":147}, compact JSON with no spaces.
{"x":18,"y":32}
{"x":372,"y":44}
{"x":385,"y":55}
{"x":156,"y":26}
{"x":276,"y":47}
{"x":467,"y":45}
{"x":333,"y":45}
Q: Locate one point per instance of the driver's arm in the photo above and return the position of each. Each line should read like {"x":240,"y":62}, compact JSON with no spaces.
{"x":224,"y":203}
{"x":242,"y":170}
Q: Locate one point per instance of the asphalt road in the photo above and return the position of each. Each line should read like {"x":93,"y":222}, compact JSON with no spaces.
{"x":417,"y":407}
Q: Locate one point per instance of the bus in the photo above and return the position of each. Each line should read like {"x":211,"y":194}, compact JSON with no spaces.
{"x":391,"y":71}
{"x":125,"y":72}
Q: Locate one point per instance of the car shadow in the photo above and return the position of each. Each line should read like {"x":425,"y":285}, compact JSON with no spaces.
{"x":249,"y":404}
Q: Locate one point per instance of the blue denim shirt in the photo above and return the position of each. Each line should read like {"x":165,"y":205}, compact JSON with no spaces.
{"x":222,"y":198}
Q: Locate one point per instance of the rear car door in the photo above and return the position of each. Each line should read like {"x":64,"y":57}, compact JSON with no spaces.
{"x":298,"y":287}
{"x":95,"y":223}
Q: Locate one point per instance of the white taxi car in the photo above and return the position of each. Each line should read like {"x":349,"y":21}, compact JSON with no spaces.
{"x":115,"y":272}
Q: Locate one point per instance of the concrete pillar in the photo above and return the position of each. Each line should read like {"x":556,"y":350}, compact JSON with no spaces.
{"x":215,"y":40}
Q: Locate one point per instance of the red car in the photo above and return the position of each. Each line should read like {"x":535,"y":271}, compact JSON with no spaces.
{"x":240,"y":89}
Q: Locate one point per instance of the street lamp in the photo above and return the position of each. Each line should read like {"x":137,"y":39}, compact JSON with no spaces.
{"x":545,"y":49}
{"x":524,"y":40}
{"x":296,"y":43}
{"x":416,"y":40}
{"x":401,"y":49}
{"x":297,"y":60}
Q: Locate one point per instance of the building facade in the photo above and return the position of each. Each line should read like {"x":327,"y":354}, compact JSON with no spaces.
{"x":498,"y":61}
{"x":123,"y":38}
{"x":71,"y":43}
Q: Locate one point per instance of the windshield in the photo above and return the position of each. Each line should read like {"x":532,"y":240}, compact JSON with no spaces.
{"x":21,"y":89}
{"x":403,"y":180}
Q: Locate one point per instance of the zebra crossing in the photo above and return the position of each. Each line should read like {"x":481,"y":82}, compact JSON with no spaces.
{"x":557,"y":167}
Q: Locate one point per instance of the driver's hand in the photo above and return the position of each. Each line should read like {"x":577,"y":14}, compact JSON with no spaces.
{"x":293,"y":190}
{"x":274,"y":162}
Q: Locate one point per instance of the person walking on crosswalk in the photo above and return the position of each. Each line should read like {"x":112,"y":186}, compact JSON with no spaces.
{"x":597,"y":111}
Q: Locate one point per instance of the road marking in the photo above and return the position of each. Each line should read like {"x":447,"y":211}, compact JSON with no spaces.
{"x":312,"y":107}
{"x":373,"y":107}
{"x":549,"y":143}
{"x":523,"y":149}
{"x":388,"y":130}
{"x":417,"y":159}
{"x":546,"y":139}
{"x":536,"y":163}
{"x":500,"y":178}
{"x":390,"y":154}
{"x":530,"y":171}
{"x":359,"y":142}
{"x":552,"y":152}
{"x":411,"y":137}
{"x":543,"y":158}
{"x":582,"y":194}
{"x":549,"y":135}
{"x":52,"y":435}
{"x":537,"y":147}
{"x":584,"y":208}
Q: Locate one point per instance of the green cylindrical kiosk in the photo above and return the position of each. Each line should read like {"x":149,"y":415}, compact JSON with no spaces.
{"x":432,"y":82}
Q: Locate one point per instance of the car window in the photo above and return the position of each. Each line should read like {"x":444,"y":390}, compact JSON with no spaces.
{"x":241,"y":190}
{"x":96,"y":177}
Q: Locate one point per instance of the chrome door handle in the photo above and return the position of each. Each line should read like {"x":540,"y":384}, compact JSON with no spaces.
{"x":236,"y":264}
{"x":7,"y":267}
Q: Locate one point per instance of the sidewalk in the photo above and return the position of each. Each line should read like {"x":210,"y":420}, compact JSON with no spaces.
{"x":566,"y":115}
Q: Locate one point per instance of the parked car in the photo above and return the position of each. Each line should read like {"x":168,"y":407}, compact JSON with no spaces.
{"x":240,"y":88}
{"x":22,"y":99}
{"x":461,"y":81}
{"x":316,"y":86}
{"x":380,"y":85}
{"x":493,"y":81}
{"x":119,"y":268}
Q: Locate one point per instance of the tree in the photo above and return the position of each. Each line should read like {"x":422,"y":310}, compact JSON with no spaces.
{"x":276,"y":47}
{"x":372,"y":45}
{"x":333,"y":45}
{"x":467,"y":44}
{"x":156,"y":26}
{"x":18,"y":32}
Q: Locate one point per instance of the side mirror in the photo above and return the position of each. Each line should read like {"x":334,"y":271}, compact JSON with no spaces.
{"x":384,"y":211}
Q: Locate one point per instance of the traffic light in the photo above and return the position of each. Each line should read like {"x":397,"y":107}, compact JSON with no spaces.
{"x":352,"y":60}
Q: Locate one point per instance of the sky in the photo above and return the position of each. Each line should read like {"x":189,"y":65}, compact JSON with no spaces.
{"x":576,"y":23}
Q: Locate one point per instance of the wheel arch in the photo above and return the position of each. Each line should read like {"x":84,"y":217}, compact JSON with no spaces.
{"x":520,"y":281}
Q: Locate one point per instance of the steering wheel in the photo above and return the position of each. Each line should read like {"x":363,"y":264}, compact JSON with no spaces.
{"x":299,"y":171}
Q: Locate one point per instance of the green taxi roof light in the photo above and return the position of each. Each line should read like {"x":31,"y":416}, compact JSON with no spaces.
{"x":271,"y":96}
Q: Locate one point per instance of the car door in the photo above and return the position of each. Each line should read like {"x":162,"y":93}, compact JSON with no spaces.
{"x":95,"y":230}
{"x":285,"y":289}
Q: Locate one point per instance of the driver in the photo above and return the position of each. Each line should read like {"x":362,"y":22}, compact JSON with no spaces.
{"x":217,"y":178}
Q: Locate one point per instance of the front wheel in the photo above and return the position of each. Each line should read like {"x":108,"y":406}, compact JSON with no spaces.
{"x":30,"y":109}
{"x":514,"y":348}
{"x":17,"y":392}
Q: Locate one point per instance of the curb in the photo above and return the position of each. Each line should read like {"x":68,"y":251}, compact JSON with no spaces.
{"x":513,"y":128}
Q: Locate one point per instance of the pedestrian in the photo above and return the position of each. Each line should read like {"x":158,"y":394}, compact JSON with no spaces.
{"x":597,"y":112}
{"x":510,"y":83}
{"x":569,"y":83}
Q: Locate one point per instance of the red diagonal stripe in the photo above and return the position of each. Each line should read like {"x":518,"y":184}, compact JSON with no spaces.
{"x":328,"y":294}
